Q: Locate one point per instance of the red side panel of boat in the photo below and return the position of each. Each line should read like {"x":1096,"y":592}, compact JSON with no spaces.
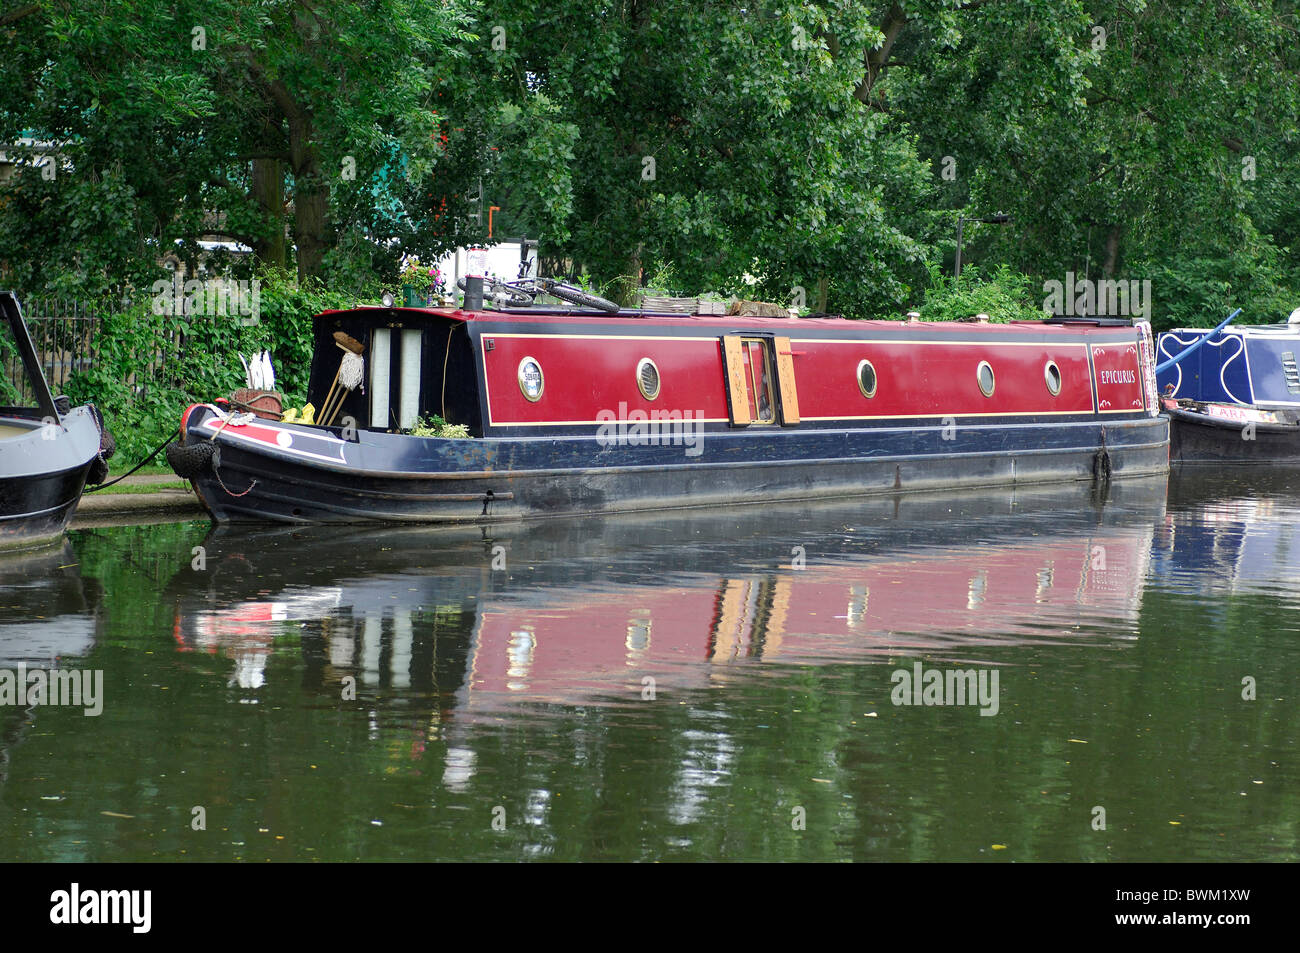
{"x":929,"y":378}
{"x":588,"y":375}
{"x":1119,"y":378}
{"x":920,"y":372}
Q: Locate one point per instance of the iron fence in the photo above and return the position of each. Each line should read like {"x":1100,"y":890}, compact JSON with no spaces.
{"x":67,"y":334}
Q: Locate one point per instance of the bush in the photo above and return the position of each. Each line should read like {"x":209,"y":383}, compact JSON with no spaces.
{"x":1201,"y":292}
{"x":1004,"y":295}
{"x":195,"y":359}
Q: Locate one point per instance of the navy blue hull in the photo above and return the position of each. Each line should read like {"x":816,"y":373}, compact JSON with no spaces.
{"x":1196,"y":438}
{"x":387,"y":477}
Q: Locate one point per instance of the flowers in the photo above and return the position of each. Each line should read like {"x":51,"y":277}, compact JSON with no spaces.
{"x":421,"y":279}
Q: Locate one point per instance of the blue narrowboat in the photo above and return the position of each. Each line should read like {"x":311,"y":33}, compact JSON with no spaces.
{"x":1236,"y":399}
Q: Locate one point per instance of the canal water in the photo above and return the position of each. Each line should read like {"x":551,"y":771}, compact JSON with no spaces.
{"x":1014,"y":676}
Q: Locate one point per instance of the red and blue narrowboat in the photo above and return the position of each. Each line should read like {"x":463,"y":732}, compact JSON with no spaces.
{"x":576,"y":410}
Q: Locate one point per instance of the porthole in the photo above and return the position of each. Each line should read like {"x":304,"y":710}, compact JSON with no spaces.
{"x":647,"y":378}
{"x":531,"y":381}
{"x":1052,"y":374}
{"x":984,"y":375}
{"x":867,"y":378}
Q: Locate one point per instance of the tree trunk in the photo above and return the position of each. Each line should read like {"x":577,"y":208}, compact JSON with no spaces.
{"x":268,"y":193}
{"x":310,"y":190}
{"x":1111,"y":264}
{"x":310,"y":212}
{"x":630,"y":288}
{"x":873,"y":61}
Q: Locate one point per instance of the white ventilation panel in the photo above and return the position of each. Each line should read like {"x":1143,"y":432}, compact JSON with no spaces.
{"x":408,"y":411}
{"x":380,"y":343}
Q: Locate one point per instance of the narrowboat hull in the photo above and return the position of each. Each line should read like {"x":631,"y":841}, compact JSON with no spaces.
{"x":294,"y":474}
{"x":590,"y":413}
{"x":1198,"y":438}
{"x":45,"y":455}
{"x":42,"y":475}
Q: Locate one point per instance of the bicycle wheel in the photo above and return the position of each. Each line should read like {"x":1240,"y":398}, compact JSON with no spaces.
{"x":578,"y":296}
{"x":512,"y":297}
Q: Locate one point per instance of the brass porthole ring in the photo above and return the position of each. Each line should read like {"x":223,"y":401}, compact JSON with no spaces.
{"x":1052,"y":376}
{"x":647,"y":378}
{"x":867,"y":378}
{"x":531,"y":380}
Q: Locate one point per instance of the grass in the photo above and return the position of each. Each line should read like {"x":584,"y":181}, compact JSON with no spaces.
{"x":153,"y":469}
{"x":144,"y":487}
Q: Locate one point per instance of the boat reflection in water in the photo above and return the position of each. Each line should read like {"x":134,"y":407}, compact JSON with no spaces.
{"x":47,"y":615}
{"x":45,"y":612}
{"x":471,"y":621}
{"x":1237,"y":532}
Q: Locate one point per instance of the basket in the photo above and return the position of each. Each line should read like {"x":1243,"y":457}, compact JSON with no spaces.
{"x":269,"y":405}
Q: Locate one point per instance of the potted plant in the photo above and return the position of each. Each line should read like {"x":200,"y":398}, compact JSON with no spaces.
{"x":421,"y":283}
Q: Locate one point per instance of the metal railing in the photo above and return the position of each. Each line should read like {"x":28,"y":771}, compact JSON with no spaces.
{"x":67,"y":335}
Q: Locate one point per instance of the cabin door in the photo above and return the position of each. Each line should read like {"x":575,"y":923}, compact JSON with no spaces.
{"x":760,"y":380}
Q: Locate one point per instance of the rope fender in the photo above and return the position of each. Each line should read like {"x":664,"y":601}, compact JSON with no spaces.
{"x":190,"y":461}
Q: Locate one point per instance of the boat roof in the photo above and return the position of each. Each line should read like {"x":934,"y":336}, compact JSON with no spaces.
{"x":729,"y":322}
{"x":1243,"y":329}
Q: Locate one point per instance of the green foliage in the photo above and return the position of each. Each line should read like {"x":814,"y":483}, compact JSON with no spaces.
{"x":158,"y":111}
{"x":706,"y":136}
{"x":435,"y":426}
{"x":11,"y":369}
{"x":1004,"y":295}
{"x":1126,"y":140}
{"x":194,"y":359}
{"x":823,"y":149}
{"x":1201,"y":292}
{"x":663,"y":279}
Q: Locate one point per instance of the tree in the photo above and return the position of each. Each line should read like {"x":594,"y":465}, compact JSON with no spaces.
{"x":164,"y":116}
{"x":1122,"y":138}
{"x":721,"y":138}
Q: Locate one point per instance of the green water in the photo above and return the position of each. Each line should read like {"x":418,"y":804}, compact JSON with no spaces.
{"x":690,"y":686}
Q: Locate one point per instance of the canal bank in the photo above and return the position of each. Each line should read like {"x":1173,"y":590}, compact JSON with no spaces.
{"x":143,"y":498}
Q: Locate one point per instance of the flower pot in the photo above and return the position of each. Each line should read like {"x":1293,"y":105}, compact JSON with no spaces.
{"x":413,"y":298}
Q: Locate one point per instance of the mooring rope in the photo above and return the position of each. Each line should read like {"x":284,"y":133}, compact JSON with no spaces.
{"x":170,"y":436}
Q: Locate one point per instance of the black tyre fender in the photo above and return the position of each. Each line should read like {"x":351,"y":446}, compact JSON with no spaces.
{"x":107,"y":443}
{"x":189,"y":461}
{"x":98,"y":471}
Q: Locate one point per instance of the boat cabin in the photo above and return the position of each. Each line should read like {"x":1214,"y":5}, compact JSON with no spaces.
{"x":552,"y":372}
{"x":1240,"y":365}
